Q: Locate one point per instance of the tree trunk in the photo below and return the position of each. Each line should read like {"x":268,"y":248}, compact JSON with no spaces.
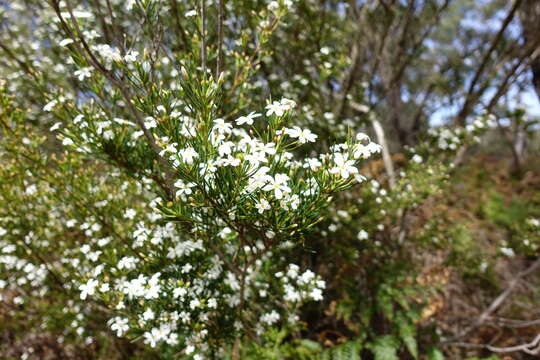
{"x":530,"y":21}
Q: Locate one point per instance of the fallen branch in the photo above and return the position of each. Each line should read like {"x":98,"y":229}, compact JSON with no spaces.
{"x":513,"y":323}
{"x":531,"y":348}
{"x":495,"y":304}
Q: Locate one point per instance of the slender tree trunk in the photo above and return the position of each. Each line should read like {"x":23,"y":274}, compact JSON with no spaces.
{"x":530,"y":21}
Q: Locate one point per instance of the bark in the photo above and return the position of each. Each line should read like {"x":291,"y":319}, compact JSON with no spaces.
{"x":530,"y":20}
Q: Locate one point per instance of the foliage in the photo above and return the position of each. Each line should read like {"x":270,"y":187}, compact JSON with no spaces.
{"x":196,"y":180}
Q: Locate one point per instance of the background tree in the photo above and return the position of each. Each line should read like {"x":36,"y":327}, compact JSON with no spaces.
{"x":196,"y":179}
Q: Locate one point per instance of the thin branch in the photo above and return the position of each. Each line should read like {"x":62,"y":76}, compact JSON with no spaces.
{"x":495,"y":304}
{"x":348,"y":81}
{"x":203,"y":36}
{"x":417,"y":45}
{"x":513,"y":323}
{"x":119,"y":84}
{"x":531,"y":348}
{"x":471,"y":94}
{"x":526,"y":59}
{"x":221,"y":8}
{"x":183,"y":36}
{"x":22,"y":64}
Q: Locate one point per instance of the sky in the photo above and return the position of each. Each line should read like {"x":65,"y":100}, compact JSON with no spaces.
{"x":527,"y":98}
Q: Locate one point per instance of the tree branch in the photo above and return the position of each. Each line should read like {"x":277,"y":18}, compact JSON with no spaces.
{"x":499,"y":300}
{"x":471,"y":94}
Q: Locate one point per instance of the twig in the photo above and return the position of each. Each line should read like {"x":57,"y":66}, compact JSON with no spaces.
{"x":495,"y":304}
{"x":119,"y":84}
{"x":183,"y":36}
{"x":219,"y":66}
{"x":531,"y":348}
{"x":203,"y":36}
{"x":513,"y":323}
{"x":22,"y":64}
{"x":471,"y":95}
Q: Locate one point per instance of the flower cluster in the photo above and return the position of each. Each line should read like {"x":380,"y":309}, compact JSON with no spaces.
{"x":451,"y":139}
{"x":181,"y":281}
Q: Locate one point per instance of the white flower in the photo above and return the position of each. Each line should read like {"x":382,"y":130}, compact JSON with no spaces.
{"x":361,"y":151}
{"x":270,"y":318}
{"x":50,"y":105}
{"x":306,"y":277}
{"x":56,"y":126}
{"x":279,"y":107}
{"x":108,"y":134}
{"x":188,"y":155}
{"x":120,"y":325}
{"x":153,"y":337}
{"x":148,"y":315}
{"x":374,"y":148}
{"x":71,"y":223}
{"x":262,"y":205}
{"x":316,"y":294}
{"x":185,"y":317}
{"x":184,"y":188}
{"x":130,"y":214}
{"x":278,"y":185}
{"x":212,"y":303}
{"x":359,"y":178}
{"x":269,"y":148}
{"x":275,"y":108}
{"x":193,"y":304}
{"x":312,"y":163}
{"x":88,"y":289}
{"x":230,"y":161}
{"x":225,"y":148}
{"x":273,"y":6}
{"x":127,"y":262}
{"x":65,"y":42}
{"x":365,"y":151}
{"x":256,"y":158}
{"x":31,"y":190}
{"x":109,"y":53}
{"x":303,"y":135}
{"x":288,"y":104}
{"x":417,"y":159}
{"x":258,"y":179}
{"x":344,"y":166}
{"x":508,"y":251}
{"x":291,"y":294}
{"x":293,"y":271}
{"x":131,"y":56}
{"x":170,"y":148}
{"x":361,"y":137}
{"x":179,"y":292}
{"x":362,"y":235}
{"x":222,"y":127}
{"x":150,"y":122}
{"x":248,"y":119}
{"x":83,"y":73}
